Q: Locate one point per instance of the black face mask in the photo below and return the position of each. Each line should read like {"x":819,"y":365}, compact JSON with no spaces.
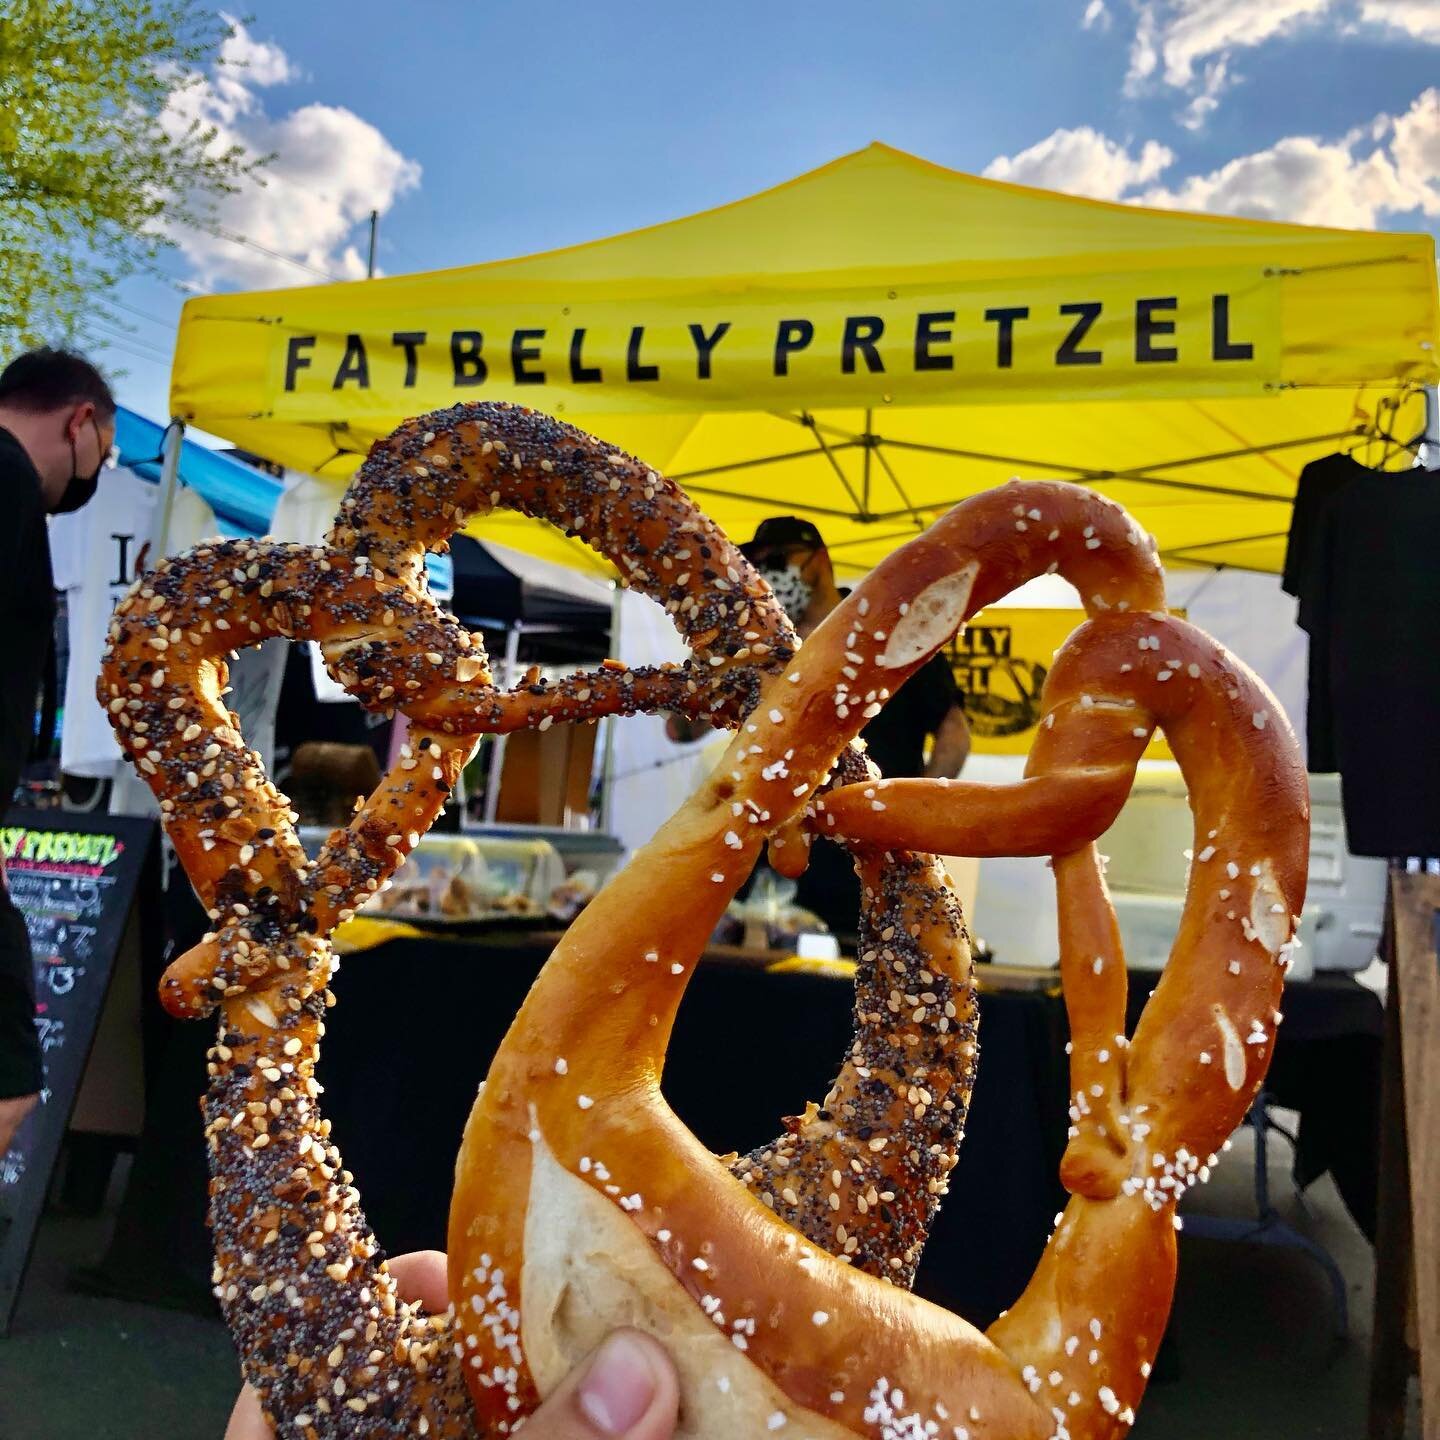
{"x":80,"y":489}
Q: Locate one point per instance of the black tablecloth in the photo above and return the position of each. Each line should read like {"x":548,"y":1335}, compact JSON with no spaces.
{"x":418,"y":1021}
{"x":1326,"y":1066}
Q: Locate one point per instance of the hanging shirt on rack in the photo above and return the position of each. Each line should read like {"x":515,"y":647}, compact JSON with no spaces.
{"x":1362,"y":562}
{"x":1320,"y":481}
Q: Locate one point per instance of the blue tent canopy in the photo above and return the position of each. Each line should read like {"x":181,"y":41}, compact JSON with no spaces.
{"x":242,"y":497}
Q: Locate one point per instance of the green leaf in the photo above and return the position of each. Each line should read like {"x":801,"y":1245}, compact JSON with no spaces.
{"x":92,"y":156}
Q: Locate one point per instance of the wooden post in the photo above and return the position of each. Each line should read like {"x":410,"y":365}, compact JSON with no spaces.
{"x":1407,"y":1247}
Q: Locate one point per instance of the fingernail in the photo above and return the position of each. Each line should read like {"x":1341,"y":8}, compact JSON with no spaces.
{"x":619,"y":1386}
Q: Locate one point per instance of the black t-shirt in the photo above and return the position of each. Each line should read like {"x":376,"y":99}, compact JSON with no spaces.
{"x":27,"y":608}
{"x":1368,"y":583}
{"x":1320,"y":481}
{"x":895,"y":739}
{"x":27,"y":618}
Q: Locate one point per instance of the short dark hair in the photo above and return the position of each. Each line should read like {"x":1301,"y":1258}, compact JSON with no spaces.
{"x":48,"y":379}
{"x":780,"y":532}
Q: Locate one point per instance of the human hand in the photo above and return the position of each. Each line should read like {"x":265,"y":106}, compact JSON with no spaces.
{"x":627,"y":1388}
{"x":12,"y":1112}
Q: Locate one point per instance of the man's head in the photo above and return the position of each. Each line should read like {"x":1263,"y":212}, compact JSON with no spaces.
{"x":57,"y":404}
{"x":791,"y":555}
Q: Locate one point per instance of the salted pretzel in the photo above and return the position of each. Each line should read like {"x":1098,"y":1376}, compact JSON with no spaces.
{"x":580,"y":1200}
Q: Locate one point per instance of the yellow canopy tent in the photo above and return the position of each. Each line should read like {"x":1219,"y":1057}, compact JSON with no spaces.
{"x":867,"y":344}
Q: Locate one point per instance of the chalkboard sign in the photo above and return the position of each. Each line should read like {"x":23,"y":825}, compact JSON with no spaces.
{"x":74,"y":877}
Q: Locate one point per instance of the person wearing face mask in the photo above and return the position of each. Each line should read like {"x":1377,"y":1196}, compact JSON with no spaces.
{"x":790,"y":554}
{"x":57,"y":426}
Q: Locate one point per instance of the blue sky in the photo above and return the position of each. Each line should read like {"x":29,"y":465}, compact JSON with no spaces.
{"x":482,"y":130}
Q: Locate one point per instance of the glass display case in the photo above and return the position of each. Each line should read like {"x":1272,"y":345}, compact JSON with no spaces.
{"x":460,"y":879}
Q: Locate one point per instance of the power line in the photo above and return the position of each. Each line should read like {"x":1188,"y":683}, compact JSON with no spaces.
{"x":130,"y":338}
{"x":236,"y":238}
{"x":138,"y":313}
{"x":309,"y":191}
{"x":162,"y":361}
{"x":134,"y":342}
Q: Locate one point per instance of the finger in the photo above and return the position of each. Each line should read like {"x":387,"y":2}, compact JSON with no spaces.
{"x":247,"y":1420}
{"x":626,"y":1388}
{"x":421,"y":1276}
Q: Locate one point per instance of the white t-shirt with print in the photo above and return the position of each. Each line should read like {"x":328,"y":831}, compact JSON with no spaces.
{"x":96,"y":553}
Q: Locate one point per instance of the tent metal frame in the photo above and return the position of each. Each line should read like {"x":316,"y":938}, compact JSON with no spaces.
{"x":831,"y":441}
{"x":873,"y":446}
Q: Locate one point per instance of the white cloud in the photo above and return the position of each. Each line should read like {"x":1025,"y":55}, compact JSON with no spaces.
{"x":1083,"y":162}
{"x":1386,"y":168}
{"x":1180,"y":43}
{"x":1298,"y":178}
{"x":1390,"y":167}
{"x":330,"y":169}
{"x":1417,"y":18}
{"x":1416,"y":144}
{"x":1097,"y":16}
{"x":246,"y":62}
{"x":1173,"y":37}
{"x":1216,"y":80}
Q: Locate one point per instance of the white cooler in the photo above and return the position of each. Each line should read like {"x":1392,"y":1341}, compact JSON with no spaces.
{"x":1014,"y":910}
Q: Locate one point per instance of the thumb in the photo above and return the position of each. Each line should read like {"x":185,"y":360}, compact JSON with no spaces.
{"x":626,"y":1388}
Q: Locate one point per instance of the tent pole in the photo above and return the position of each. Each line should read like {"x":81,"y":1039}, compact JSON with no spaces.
{"x":497,"y":743}
{"x":869,"y":451}
{"x":1432,"y":426}
{"x":607,"y":764}
{"x":128,"y":796}
{"x":170,"y":448}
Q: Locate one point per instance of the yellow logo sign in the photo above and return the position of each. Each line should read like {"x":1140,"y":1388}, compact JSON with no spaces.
{"x":1000,"y":661}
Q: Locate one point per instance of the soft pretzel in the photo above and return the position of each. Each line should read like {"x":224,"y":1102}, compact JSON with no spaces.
{"x":300,"y":1279}
{"x":580,"y":1201}
{"x":770,"y":1328}
{"x":903,"y":1090}
{"x":362,"y":597}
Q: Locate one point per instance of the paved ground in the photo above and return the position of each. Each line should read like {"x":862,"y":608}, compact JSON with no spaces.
{"x":1254,"y":1350}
